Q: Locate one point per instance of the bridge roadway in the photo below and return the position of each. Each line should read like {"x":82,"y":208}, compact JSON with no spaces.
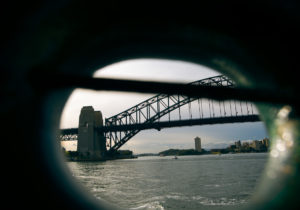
{"x":168,"y":124}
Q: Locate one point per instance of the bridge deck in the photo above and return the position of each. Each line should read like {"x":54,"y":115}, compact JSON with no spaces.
{"x":180,"y":123}
{"x":169,"y":124}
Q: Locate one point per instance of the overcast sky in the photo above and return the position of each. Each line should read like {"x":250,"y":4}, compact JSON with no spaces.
{"x":111,"y":103}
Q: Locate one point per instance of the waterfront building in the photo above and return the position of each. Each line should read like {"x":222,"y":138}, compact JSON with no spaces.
{"x":198,"y":144}
{"x":253,"y":146}
{"x":266,"y":142}
{"x":256,"y":145}
{"x":238,"y":144}
{"x":245,"y":145}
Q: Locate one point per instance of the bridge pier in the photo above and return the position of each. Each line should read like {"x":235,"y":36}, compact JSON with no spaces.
{"x":91,"y":143}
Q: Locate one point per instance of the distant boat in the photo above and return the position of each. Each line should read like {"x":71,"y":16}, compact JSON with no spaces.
{"x":175,"y":158}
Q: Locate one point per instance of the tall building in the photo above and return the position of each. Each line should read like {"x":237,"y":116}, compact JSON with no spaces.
{"x":256,"y":145}
{"x":238,"y":144}
{"x":198,"y":144}
{"x":266,"y":142}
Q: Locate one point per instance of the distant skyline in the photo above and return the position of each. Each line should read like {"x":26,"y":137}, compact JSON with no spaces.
{"x":112,"y":102}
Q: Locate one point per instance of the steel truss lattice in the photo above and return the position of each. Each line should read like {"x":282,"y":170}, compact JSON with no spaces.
{"x":152,"y":109}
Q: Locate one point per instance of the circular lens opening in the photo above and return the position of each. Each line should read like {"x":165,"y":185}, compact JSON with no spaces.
{"x":207,"y":165}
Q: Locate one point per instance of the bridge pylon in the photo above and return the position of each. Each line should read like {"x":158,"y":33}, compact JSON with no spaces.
{"x":91,"y":143}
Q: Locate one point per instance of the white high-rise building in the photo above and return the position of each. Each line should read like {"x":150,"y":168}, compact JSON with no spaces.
{"x":198,"y":144}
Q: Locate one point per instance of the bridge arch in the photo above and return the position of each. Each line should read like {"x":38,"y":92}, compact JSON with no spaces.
{"x":147,"y":114}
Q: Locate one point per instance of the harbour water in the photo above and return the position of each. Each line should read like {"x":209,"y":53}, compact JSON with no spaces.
{"x":189,"y":182}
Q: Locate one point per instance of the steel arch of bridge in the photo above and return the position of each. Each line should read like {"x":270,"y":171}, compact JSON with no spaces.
{"x":151,"y":110}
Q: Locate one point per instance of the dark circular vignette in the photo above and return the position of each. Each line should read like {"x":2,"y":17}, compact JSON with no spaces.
{"x":253,"y":43}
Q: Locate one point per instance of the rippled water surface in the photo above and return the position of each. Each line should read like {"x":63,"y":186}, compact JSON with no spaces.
{"x":190,"y":182}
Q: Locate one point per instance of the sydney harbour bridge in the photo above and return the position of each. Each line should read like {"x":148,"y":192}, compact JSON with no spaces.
{"x":164,"y":111}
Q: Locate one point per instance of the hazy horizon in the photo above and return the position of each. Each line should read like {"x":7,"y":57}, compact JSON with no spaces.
{"x":72,"y":146}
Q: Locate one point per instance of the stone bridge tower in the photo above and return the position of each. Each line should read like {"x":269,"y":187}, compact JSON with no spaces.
{"x":91,"y":143}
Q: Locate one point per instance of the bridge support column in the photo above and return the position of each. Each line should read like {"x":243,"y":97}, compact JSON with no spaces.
{"x":91,"y":144}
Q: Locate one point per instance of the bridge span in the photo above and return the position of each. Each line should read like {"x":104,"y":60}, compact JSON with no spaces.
{"x":155,"y":113}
